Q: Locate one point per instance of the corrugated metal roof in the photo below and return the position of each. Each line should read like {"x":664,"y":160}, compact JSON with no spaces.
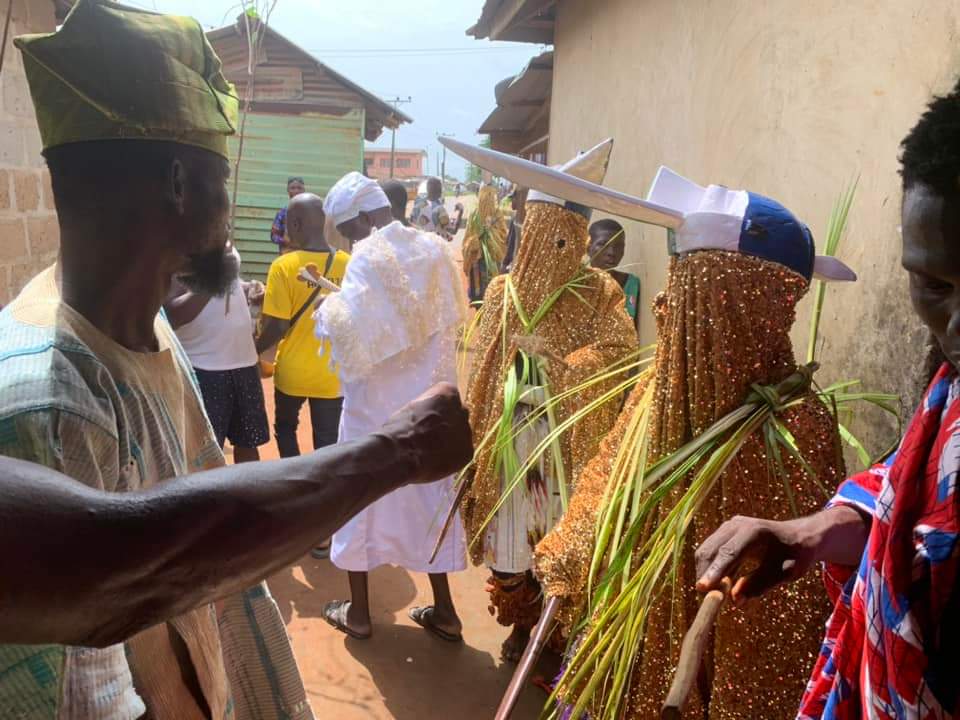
{"x":319,"y":148}
{"x":517,"y":20}
{"x":521,"y":98}
{"x":323,"y":88}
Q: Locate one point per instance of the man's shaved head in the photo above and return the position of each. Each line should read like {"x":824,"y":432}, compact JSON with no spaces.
{"x":397,"y":195}
{"x":305,"y":220}
{"x":434,"y":188}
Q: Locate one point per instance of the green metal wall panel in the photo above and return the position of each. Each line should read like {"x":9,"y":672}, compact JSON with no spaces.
{"x":318,"y":148}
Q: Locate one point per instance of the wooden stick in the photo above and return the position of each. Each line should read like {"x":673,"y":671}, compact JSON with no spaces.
{"x":691,"y":652}
{"x":529,"y":659}
{"x":318,"y":281}
{"x":464,"y":486}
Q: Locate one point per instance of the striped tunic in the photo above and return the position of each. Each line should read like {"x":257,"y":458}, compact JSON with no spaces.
{"x":74,"y":400}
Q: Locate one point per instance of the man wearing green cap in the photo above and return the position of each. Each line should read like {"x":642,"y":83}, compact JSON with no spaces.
{"x":106,"y":586}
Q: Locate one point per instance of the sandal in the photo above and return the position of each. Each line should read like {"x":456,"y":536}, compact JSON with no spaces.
{"x":423,"y":616}
{"x":335,"y":613}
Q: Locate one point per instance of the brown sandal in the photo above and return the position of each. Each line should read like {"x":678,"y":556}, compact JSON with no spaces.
{"x":423,"y":616}
{"x":335,"y":613}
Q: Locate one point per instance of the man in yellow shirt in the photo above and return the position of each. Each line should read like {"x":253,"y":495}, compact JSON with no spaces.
{"x":303,"y":368}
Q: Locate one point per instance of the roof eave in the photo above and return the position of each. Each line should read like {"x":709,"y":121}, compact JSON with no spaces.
{"x":515,"y":20}
{"x":387,"y":115}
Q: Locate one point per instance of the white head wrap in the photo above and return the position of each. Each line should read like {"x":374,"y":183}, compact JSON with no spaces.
{"x":354,"y":193}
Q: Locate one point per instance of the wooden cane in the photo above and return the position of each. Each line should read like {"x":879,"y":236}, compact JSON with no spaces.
{"x":691,"y":651}
{"x":451,"y":513}
{"x":529,"y":659}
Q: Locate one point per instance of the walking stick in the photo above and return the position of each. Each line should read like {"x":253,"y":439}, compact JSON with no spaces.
{"x":529,"y":659}
{"x":691,"y":652}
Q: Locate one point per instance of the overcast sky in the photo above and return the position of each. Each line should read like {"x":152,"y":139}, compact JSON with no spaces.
{"x":417,"y":48}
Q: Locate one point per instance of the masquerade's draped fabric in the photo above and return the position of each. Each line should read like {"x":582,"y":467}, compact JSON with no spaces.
{"x":534,"y":506}
{"x":891,"y":647}
{"x":587,"y":328}
{"x":723,"y":325}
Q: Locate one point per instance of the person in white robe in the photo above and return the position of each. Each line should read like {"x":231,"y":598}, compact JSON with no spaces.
{"x":392,"y":328}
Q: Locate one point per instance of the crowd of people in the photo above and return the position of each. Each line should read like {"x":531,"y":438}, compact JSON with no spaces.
{"x":138,"y":555}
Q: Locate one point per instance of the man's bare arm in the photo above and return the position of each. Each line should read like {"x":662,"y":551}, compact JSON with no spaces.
{"x":272,"y":330}
{"x":83,"y":567}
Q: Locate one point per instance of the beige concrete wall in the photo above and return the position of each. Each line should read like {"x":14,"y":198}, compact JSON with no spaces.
{"x":789,"y":99}
{"x":29,"y":235}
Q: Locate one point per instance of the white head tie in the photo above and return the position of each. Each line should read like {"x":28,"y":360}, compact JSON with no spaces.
{"x":354,"y":193}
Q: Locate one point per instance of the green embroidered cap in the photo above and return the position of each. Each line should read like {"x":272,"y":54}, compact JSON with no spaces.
{"x":116,"y":73}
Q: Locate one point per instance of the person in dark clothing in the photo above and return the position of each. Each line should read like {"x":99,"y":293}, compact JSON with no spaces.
{"x":607,"y":246}
{"x":278,"y":231}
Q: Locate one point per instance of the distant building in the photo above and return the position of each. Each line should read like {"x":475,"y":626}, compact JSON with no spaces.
{"x":407,"y":163}
{"x":306,"y":120}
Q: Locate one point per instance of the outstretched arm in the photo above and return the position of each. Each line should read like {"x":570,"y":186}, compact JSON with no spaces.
{"x":85,"y":567}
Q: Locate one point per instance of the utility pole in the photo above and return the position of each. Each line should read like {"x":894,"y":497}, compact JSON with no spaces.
{"x":443,"y":165}
{"x":396,"y":102}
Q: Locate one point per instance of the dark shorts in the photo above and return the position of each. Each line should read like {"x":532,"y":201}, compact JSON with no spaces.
{"x":234,"y":403}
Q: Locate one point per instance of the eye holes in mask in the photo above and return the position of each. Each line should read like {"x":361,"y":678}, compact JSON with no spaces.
{"x":561,"y":243}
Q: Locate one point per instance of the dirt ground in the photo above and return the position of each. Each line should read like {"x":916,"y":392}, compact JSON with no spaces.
{"x":402,"y":672}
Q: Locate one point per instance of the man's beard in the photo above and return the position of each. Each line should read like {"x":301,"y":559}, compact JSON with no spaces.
{"x":211,"y":272}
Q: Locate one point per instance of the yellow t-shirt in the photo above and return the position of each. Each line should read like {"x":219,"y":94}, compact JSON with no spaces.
{"x":302,"y":366}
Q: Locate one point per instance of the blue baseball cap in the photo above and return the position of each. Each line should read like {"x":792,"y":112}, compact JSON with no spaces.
{"x":718,"y":218}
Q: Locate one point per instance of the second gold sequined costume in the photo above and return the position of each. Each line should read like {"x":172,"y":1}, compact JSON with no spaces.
{"x":724,"y":324}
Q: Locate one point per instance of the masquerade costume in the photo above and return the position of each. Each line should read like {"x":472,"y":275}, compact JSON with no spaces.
{"x":723,"y":325}
{"x":484,"y":243}
{"x":742,"y":263}
{"x":583,"y":329}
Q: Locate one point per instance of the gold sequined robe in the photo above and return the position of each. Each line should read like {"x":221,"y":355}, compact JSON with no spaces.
{"x":723,"y":324}
{"x":589,"y":332}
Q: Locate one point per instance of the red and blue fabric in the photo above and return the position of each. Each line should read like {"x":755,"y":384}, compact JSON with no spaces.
{"x":892,"y":645}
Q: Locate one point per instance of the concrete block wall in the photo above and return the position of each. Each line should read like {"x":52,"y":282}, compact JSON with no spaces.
{"x":29,"y":234}
{"x":790,"y":100}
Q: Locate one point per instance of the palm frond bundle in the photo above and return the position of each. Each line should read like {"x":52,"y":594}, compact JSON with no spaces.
{"x":634,"y":561}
